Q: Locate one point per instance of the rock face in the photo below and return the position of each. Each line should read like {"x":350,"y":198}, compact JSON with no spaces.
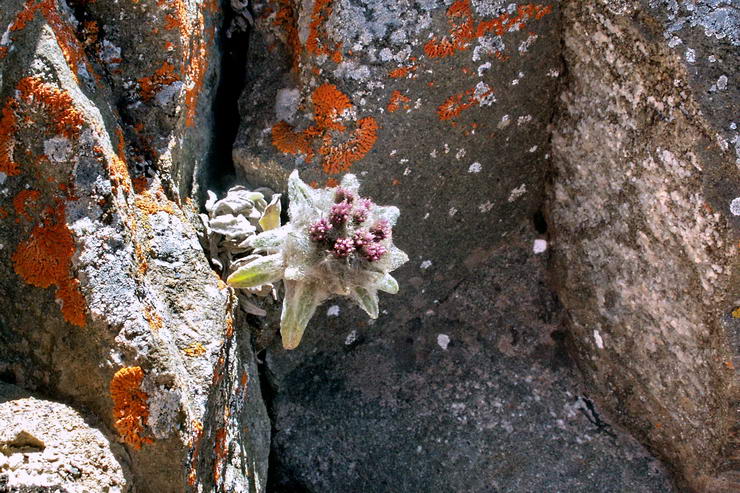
{"x":644,"y":239}
{"x":107,"y":298}
{"x":50,"y":445}
{"x":564,"y":173}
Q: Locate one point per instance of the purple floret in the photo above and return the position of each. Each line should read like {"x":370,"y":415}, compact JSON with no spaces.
{"x":343,"y":195}
{"x":363,"y":237}
{"x":381,"y":230}
{"x":343,"y":247}
{"x":373,"y":251}
{"x":359,"y":215}
{"x":319,"y":230}
{"x":340,"y":213}
{"x":366,"y":203}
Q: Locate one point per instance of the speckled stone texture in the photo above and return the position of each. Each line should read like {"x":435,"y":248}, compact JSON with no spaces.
{"x":100,"y":267}
{"x":645,"y":246}
{"x":462,"y":384}
{"x":52,"y":447}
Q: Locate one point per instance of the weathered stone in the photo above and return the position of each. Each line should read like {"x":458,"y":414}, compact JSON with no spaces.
{"x":144,"y":337}
{"x":45,"y":445}
{"x":643,"y":238}
{"x":462,"y":383}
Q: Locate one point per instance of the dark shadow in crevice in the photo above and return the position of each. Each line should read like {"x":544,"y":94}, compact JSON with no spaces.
{"x":233,"y":43}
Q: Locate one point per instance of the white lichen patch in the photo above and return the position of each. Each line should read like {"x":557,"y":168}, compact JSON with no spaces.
{"x":485,"y":207}
{"x":443,"y":340}
{"x":425,"y":264}
{"x":598,"y":340}
{"x":475,"y":168}
{"x":333,"y":311}
{"x":57,"y":149}
{"x":351,"y":337}
{"x":483,"y":93}
{"x":735,"y":206}
{"x":517,"y":192}
{"x":286,"y":104}
{"x":539,"y":246}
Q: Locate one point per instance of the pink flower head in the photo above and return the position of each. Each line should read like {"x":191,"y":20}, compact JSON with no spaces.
{"x":319,"y":230}
{"x":343,"y":247}
{"x":367,"y":203}
{"x":363,"y":237}
{"x":359,"y":214}
{"x":343,"y":195}
{"x":340,"y":213}
{"x":373,"y":251}
{"x":381,"y":230}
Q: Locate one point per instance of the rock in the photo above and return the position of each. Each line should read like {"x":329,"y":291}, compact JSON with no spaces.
{"x":104,"y":462}
{"x":465,"y":369}
{"x":104,"y":284}
{"x":644,"y":245}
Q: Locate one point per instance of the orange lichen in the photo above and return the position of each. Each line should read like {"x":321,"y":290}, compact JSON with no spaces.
{"x":453,"y":106}
{"x":151,"y":201}
{"x":401,"y":72}
{"x":163,"y":76}
{"x":219,"y":449}
{"x":3,"y":213}
{"x":463,"y":29}
{"x":130,"y":408}
{"x":153,"y":318}
{"x":286,"y":140}
{"x":43,"y":260}
{"x":331,"y":183}
{"x":339,"y":158}
{"x":57,"y":103}
{"x":287,"y":19}
{"x":329,"y":104}
{"x":19,"y":202}
{"x":8,"y":125}
{"x":395,"y":102}
{"x":195,"y":349}
{"x":317,"y":42}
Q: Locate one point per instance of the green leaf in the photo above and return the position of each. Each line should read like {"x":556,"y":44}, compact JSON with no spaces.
{"x":269,"y":240}
{"x":299,"y":305}
{"x":271,"y":217}
{"x":388,"y":284}
{"x":298,"y":192}
{"x":367,"y":299}
{"x":261,"y":271}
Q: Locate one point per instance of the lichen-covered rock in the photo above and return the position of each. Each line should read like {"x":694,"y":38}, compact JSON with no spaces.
{"x":645,"y":245}
{"x":107,"y":298}
{"x":48,"y":446}
{"x":440,"y":108}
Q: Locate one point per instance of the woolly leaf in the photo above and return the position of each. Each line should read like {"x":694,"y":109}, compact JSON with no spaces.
{"x":367,"y":299}
{"x":299,"y":305}
{"x":271,"y":217}
{"x":261,"y":271}
{"x":388,"y":284}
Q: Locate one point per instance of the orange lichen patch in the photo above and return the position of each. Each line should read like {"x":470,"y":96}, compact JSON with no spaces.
{"x":73,"y":303}
{"x":286,"y":140}
{"x":195,"y":349}
{"x":130,"y":408}
{"x":163,"y":76}
{"x":19,"y":202}
{"x":43,"y":260}
{"x":196,"y":72}
{"x":339,"y":158}
{"x":57,"y":103}
{"x":286,"y":19}
{"x":401,"y":72}
{"x":244,"y":379}
{"x":395,"y":102}
{"x":219,"y":449}
{"x":463,"y":28}
{"x":329,"y":103}
{"x":65,"y":36}
{"x":8,"y":126}
{"x":736,"y":312}
{"x":153,"y":318}
{"x":151,"y":202}
{"x":317,"y":42}
{"x":3,"y":213}
{"x":229,"y":327}
{"x":331,"y":183}
{"x":453,"y":106}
